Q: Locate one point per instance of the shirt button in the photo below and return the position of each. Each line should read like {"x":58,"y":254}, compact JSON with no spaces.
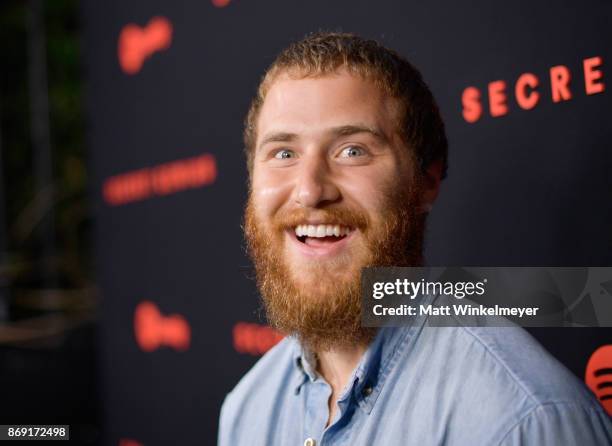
{"x":310,"y":442}
{"x":367,"y":391}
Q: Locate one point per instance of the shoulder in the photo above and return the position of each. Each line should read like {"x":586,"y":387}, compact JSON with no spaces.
{"x":513,"y":357}
{"x":261,"y":385}
{"x":525,"y":363}
{"x":269,"y":366}
{"x":541,"y":400}
{"x":516,"y":386}
{"x":561,"y":423}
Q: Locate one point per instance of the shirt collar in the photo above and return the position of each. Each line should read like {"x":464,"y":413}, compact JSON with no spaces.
{"x":371,"y":372}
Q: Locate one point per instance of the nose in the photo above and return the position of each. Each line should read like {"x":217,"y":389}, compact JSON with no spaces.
{"x":314,"y":183}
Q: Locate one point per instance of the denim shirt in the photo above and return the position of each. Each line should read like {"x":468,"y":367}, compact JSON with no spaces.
{"x":418,"y":385}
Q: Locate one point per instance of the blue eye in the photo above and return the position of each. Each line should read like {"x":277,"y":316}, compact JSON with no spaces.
{"x":283,"y":154}
{"x":352,"y":151}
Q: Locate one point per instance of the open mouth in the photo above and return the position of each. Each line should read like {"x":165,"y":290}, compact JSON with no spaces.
{"x":322,"y":238}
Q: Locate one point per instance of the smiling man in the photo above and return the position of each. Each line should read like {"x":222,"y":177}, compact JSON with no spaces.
{"x":346,"y":150}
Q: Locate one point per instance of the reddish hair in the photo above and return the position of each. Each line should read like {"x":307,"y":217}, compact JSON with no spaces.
{"x":421,"y":126}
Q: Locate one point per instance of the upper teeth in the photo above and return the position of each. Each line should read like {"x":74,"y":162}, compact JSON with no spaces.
{"x":321,"y":230}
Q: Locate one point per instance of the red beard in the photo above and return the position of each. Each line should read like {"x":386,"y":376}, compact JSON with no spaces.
{"x":325,"y":311}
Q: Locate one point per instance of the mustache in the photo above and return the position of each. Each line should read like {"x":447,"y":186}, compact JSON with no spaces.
{"x":288,"y":219}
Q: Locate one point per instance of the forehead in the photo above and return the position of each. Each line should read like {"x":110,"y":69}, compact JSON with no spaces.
{"x":310,"y":105}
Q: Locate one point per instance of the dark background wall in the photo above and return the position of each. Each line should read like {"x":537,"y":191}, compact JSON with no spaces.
{"x":530,"y":187}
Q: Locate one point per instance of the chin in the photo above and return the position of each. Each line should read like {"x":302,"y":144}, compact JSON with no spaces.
{"x":324,"y":273}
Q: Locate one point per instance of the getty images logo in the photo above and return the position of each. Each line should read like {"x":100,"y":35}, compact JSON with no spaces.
{"x":598,"y":376}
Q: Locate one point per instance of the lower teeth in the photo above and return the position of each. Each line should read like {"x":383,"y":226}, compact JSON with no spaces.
{"x":329,"y":238}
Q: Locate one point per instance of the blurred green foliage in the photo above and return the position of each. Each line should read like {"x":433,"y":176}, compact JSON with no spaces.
{"x":23,"y":212}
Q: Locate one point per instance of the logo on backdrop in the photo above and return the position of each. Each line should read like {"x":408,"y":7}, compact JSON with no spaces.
{"x":528,"y":90}
{"x":254,"y":339}
{"x":598,"y":376}
{"x":137,"y":44}
{"x":163,"y":179}
{"x":129,"y":442}
{"x":154,"y":330}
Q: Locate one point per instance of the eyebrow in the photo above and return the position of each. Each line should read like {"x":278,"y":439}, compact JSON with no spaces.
{"x":343,"y":130}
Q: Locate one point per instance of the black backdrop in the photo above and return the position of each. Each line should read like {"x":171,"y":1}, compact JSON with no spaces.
{"x":531,"y":187}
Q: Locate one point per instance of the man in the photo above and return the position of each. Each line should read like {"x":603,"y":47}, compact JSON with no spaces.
{"x":346,"y":151}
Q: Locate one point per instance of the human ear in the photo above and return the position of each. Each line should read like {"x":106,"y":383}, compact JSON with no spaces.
{"x":430,"y":185}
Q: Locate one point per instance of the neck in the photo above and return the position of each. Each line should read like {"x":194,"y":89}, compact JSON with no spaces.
{"x":336,"y":365}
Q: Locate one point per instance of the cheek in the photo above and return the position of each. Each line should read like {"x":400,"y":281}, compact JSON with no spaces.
{"x":371,"y":189}
{"x":269,"y":193}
